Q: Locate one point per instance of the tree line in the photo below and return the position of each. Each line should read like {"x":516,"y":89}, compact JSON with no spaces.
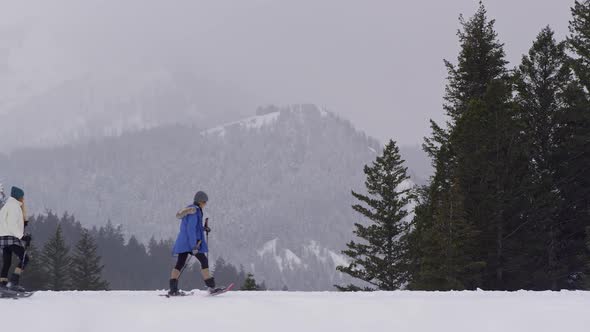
{"x":508,"y":205}
{"x":67,"y":256}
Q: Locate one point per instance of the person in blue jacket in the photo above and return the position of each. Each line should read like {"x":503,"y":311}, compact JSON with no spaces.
{"x":191,"y":240}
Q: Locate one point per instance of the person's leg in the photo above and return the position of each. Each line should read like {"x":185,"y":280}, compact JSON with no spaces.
{"x":175,"y":274}
{"x":23,"y":260}
{"x":180,"y":262}
{"x":209,"y":281}
{"x":6,"y":263}
{"x":20,"y":252}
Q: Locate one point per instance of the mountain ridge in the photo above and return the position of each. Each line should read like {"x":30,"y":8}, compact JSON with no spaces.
{"x":285,"y":182}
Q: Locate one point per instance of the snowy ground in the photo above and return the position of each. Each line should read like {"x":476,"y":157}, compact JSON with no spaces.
{"x":301,"y":312}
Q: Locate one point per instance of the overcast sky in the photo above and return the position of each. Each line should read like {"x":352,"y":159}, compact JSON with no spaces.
{"x":378,"y":63}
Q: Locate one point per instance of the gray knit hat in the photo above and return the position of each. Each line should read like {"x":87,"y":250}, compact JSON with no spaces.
{"x":201,"y":197}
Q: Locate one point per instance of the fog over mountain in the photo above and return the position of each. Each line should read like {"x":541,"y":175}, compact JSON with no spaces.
{"x":376,"y":63}
{"x":279,"y":184}
{"x":93,"y":106}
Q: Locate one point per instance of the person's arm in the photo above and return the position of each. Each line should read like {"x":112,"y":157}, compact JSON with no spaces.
{"x":24,"y":212}
{"x":193,"y":237}
{"x":20,"y":217}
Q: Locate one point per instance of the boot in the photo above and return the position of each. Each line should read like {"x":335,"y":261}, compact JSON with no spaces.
{"x":3,"y":283}
{"x":210,"y":283}
{"x":211,"y":286}
{"x":173,"y":287}
{"x":14,"y":283}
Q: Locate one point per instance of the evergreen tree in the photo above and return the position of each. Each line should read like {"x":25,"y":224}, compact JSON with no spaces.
{"x":249,"y":283}
{"x":510,"y":197}
{"x":57,"y":262}
{"x":443,"y":241}
{"x":481,"y":60}
{"x":160,"y":262}
{"x":225,"y":273}
{"x":573,"y":146}
{"x":241,"y":276}
{"x":460,"y":223}
{"x":579,"y":41}
{"x":136,"y":264}
{"x":491,"y":168}
{"x":139,"y":269}
{"x":442,"y":244}
{"x":86,"y":268}
{"x":380,"y":260}
{"x":479,"y":139}
{"x":34,"y":277}
{"x":541,"y":83}
{"x":111,"y":245}
{"x":586,"y":277}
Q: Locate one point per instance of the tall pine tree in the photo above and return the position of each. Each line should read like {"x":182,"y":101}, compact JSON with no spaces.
{"x":57,"y":262}
{"x":380,"y":259}
{"x":481,"y":60}
{"x":490,"y":169}
{"x":461,"y":207}
{"x":86,"y":267}
{"x":541,"y":80}
{"x":250,"y":284}
{"x":34,"y":275}
{"x":225,"y":273}
{"x":579,"y":41}
{"x":573,"y":149}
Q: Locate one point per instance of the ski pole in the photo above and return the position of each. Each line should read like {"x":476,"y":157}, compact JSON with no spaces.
{"x":27,"y":245}
{"x":207,"y":235}
{"x":185,"y":265}
{"x":22,"y":263}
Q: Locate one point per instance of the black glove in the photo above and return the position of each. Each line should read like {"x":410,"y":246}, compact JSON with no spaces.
{"x":27,"y":240}
{"x":207,"y":228}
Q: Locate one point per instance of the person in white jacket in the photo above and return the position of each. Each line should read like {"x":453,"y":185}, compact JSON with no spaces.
{"x":13,"y":239}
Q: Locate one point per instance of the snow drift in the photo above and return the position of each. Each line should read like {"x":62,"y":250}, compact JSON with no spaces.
{"x":297,"y":311}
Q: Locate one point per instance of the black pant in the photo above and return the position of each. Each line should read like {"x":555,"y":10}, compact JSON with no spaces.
{"x":183,"y":257}
{"x":7,"y":258}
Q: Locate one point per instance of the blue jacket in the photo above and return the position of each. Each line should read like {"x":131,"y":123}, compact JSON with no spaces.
{"x":191,"y":231}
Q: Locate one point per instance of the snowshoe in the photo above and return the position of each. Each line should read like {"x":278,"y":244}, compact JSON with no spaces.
{"x":6,"y":293}
{"x":24,"y":294}
{"x":220,"y":290}
{"x":177,"y":294}
{"x":17,"y":288}
{"x":13,"y":294}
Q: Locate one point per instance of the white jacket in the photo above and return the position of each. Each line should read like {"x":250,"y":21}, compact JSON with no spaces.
{"x":12,"y":222}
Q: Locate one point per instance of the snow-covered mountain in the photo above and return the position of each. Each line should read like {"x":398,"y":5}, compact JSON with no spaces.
{"x":93,"y":106}
{"x":279,"y":185}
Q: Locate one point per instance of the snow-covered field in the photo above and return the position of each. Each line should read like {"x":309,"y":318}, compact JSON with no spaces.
{"x":302,"y":312}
